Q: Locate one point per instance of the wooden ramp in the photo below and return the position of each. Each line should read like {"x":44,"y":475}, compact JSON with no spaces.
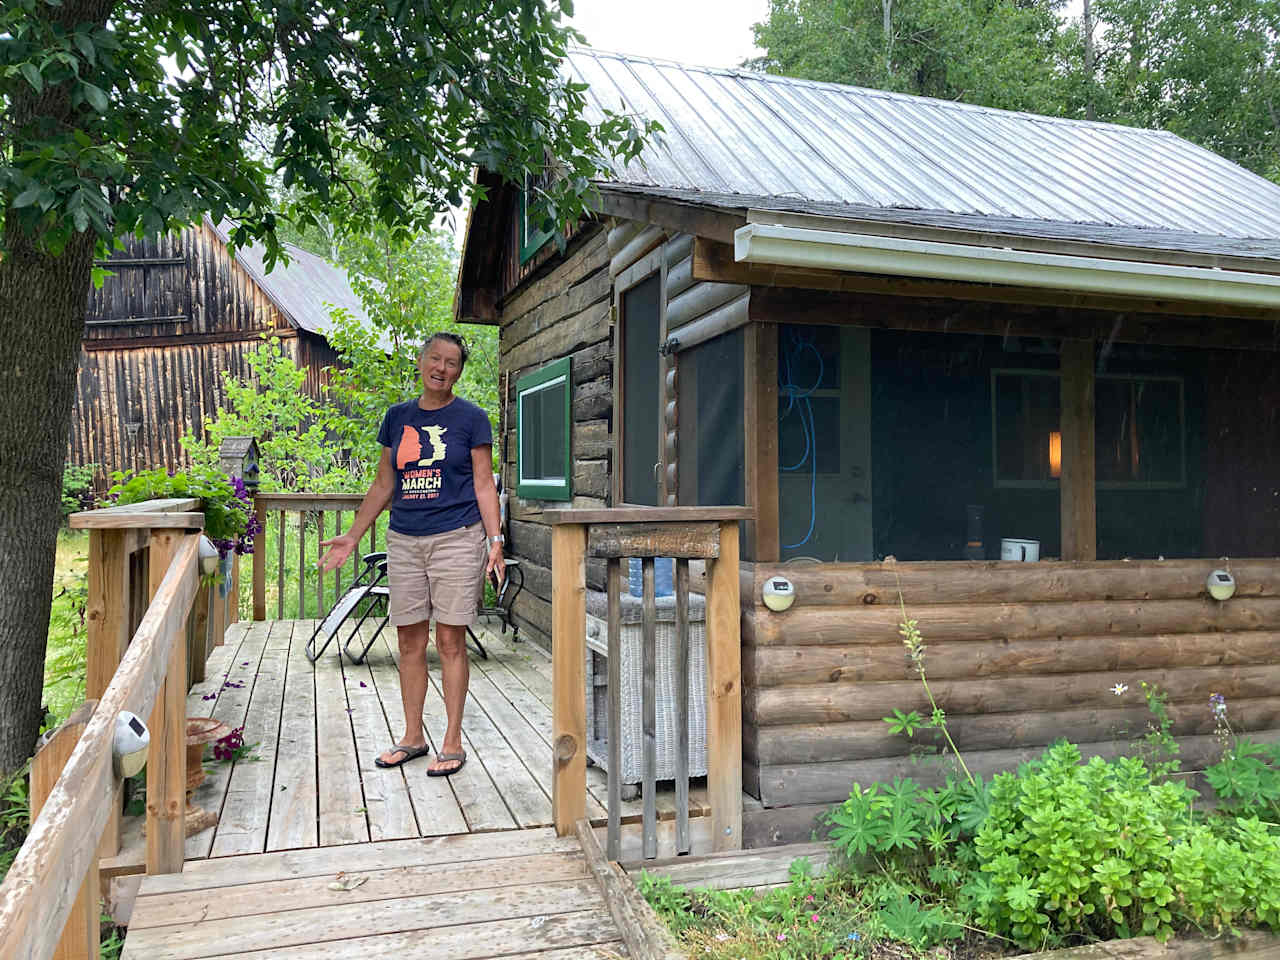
{"x":512,"y":894}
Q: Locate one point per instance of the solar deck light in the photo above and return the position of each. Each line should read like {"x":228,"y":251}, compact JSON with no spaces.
{"x":1222,"y":586}
{"x":779,"y":594}
{"x":208,"y":556}
{"x":129,"y":744}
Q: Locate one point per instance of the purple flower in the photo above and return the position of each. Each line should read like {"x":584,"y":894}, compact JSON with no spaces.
{"x":363,"y":684}
{"x":210,"y":696}
{"x":1218,"y":704}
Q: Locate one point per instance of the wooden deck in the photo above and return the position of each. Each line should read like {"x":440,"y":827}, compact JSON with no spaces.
{"x":311,"y":781}
{"x":465,"y":866}
{"x":515,"y":895}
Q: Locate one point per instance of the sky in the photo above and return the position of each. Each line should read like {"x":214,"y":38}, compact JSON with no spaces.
{"x":709,"y":33}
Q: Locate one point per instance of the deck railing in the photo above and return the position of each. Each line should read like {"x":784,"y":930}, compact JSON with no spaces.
{"x":684,"y":533}
{"x":306,"y":513}
{"x":143,"y":582}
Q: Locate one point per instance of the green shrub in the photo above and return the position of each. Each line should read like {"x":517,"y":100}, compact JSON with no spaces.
{"x":77,"y":489}
{"x":1100,"y":850}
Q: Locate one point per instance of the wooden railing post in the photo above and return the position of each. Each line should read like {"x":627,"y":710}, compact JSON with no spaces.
{"x":167,"y":755}
{"x":80,"y":934}
{"x":199,"y":636}
{"x":260,"y":561}
{"x":724,"y":694}
{"x":568,"y":657}
{"x":106,"y":633}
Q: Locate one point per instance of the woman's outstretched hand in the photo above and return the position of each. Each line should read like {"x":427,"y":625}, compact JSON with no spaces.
{"x":340,"y":548}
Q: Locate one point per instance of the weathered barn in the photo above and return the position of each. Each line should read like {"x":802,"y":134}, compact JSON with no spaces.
{"x":902,"y":331}
{"x":175,"y":316}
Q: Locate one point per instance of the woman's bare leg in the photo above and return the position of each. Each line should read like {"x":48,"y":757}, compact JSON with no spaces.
{"x":413,"y":685}
{"x":455,"y":675}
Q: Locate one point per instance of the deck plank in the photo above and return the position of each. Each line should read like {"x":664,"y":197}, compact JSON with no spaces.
{"x":279,"y":896}
{"x":529,"y":804}
{"x":343,"y":815}
{"x":246,"y":810}
{"x":531,"y":743}
{"x":434,"y":804}
{"x":477,"y":793}
{"x":567,"y":934}
{"x":230,"y":706}
{"x":386,"y":794}
{"x":234,"y":937}
{"x":326,"y":861}
{"x":295,"y":798}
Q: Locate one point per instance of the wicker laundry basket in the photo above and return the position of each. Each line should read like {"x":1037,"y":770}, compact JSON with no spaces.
{"x":632,"y":668}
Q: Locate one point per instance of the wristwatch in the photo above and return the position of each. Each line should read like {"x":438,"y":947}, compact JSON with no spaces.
{"x":497,"y":538}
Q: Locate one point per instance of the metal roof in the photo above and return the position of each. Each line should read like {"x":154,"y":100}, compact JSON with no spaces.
{"x":735,"y":138}
{"x":305,"y":289}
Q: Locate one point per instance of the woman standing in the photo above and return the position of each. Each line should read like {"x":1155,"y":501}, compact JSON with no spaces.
{"x":436,"y":472}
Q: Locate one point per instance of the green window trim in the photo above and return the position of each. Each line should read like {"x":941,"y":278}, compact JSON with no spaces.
{"x":553,"y":375}
{"x":531,"y":239}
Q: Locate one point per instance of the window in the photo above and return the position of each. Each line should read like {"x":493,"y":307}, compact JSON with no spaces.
{"x":1139,"y":430}
{"x":532,"y":237}
{"x":542,"y":433}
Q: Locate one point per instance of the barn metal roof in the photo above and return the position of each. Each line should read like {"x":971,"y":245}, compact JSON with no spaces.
{"x":749,"y":140}
{"x":305,"y":289}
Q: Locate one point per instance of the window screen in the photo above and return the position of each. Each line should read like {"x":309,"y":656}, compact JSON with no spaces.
{"x":542,"y":433}
{"x":710,"y":444}
{"x":640,"y":398}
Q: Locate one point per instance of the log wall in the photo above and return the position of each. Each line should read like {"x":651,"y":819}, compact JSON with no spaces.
{"x":1018,"y":655}
{"x":563,"y":307}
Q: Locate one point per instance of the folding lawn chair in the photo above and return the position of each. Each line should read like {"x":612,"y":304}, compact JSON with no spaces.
{"x":370,"y":588}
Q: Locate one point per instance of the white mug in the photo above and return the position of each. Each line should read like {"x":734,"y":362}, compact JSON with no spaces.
{"x":1020,"y":551}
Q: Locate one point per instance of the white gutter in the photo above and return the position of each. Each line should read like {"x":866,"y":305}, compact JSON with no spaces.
{"x":830,"y":250}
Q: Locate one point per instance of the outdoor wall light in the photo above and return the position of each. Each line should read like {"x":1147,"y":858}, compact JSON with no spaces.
{"x":208,"y":556}
{"x":1222,"y":586}
{"x":779,"y":594}
{"x":1055,"y":454}
{"x":129,"y":744}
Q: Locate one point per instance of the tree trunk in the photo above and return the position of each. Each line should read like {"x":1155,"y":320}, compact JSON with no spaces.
{"x":42,"y":308}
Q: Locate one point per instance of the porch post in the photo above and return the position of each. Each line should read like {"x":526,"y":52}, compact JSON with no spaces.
{"x":568,"y":675}
{"x":1078,"y":493}
{"x":724,"y":694}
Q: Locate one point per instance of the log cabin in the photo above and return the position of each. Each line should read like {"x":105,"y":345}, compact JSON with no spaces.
{"x":176,"y":314}
{"x":913,"y":337}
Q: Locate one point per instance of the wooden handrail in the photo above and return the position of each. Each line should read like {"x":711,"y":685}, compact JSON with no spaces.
{"x":124,"y":516}
{"x":40,"y":890}
{"x":710,"y":533}
{"x":318,"y":504}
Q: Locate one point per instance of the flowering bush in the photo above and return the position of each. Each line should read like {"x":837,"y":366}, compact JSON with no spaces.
{"x":229,"y":520}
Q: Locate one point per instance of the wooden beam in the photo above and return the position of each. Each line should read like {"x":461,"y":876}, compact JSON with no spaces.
{"x":724,"y":694}
{"x":106,"y":633}
{"x":80,"y":935}
{"x":1078,"y":490}
{"x":126,"y":521}
{"x":633,"y":514}
{"x":672,"y":215}
{"x":167,"y":755}
{"x":761,"y":427}
{"x":252,"y":335}
{"x":260,"y":560}
{"x":568,"y":676}
{"x":700,"y":540}
{"x":715,"y":262}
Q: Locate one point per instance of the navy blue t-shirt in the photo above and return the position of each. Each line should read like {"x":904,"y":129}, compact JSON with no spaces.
{"x":431,"y":455}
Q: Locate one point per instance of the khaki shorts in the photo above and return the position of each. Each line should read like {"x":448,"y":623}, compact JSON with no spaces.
{"x":437,"y":577}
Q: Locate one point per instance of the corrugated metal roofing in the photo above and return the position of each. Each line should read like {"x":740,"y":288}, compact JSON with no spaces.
{"x":743,"y":139}
{"x":305,"y":289}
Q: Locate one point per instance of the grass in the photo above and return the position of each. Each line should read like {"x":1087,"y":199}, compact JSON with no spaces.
{"x":64,"y":662}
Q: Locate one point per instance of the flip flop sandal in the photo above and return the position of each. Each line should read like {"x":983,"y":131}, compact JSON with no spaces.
{"x":445,"y":758}
{"x":410,"y":753}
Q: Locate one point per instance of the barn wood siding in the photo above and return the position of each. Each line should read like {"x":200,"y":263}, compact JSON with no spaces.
{"x":1019,"y":655}
{"x":164,"y":392}
{"x":142,"y":385}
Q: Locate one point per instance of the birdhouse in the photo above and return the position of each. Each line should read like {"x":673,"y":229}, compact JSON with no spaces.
{"x":238,"y":457}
